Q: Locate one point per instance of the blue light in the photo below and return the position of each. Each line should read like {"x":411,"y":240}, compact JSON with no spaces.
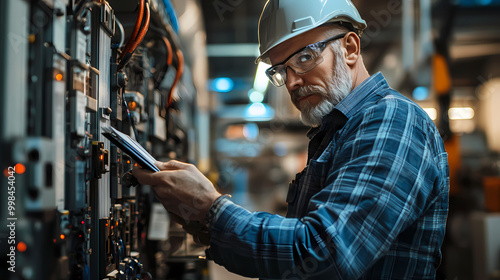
{"x":258,"y":112}
{"x":420,"y":93}
{"x":251,"y":131}
{"x":255,"y":96}
{"x":223,"y":84}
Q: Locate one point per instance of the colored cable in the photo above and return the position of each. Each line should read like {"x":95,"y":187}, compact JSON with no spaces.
{"x":136,"y":37}
{"x":144,"y":30}
{"x":135,"y":31}
{"x":170,"y":55}
{"x":180,"y":68}
{"x":169,"y":50}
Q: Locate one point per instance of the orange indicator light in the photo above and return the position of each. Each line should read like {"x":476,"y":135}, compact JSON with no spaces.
{"x":20,"y":168}
{"x":132,"y":106}
{"x":21,"y":247}
{"x":59,"y":77}
{"x":31,"y":38}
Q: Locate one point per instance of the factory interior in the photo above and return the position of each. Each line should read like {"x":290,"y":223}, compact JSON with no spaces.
{"x":180,"y":78}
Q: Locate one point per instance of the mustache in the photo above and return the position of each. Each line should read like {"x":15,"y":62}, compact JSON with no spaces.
{"x":307,"y":90}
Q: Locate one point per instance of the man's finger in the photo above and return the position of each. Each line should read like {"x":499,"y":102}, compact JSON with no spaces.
{"x":146,"y":177}
{"x":171,"y":165}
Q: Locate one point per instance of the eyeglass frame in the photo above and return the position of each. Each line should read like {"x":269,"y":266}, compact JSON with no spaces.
{"x":310,"y":46}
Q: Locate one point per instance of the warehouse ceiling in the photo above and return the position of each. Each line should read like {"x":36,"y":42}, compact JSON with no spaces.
{"x":470,"y":30}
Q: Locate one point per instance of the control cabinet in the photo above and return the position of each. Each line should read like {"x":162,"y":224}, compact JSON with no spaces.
{"x":68,"y":69}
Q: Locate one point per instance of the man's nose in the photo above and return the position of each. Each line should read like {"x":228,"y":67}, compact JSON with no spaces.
{"x":293,"y":80}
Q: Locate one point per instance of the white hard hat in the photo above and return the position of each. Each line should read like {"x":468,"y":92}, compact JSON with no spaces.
{"x":284,"y":19}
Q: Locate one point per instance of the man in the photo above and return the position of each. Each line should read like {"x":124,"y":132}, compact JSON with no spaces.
{"x":373,"y":199}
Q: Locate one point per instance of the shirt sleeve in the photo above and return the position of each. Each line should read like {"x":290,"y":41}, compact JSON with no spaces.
{"x":382,"y":179}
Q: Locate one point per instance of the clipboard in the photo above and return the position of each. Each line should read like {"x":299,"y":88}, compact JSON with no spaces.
{"x":131,"y":148}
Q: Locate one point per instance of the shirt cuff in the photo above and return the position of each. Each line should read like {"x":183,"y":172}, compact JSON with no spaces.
{"x":216,"y":209}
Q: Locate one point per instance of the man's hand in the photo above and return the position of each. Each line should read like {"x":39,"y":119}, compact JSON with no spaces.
{"x":181,"y":188}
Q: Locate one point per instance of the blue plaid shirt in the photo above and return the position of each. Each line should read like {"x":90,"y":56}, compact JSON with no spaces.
{"x":371,"y":203}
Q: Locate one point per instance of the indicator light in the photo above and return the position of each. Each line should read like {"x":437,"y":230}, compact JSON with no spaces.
{"x":31,"y":38}
{"x":21,"y":247}
{"x":132,"y":106}
{"x":20,"y":168}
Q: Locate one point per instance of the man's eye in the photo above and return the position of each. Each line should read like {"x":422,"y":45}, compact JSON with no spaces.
{"x":304,"y":58}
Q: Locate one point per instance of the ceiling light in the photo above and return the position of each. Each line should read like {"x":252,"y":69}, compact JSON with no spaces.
{"x":432,"y":112}
{"x":461,"y":113}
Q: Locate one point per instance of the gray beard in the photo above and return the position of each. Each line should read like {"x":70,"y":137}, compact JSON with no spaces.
{"x":337,"y":88}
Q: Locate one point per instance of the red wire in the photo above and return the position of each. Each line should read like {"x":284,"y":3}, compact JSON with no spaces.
{"x":137,"y":26}
{"x":144,"y":30}
{"x":180,"y":68}
{"x":169,"y":50}
{"x":135,"y":39}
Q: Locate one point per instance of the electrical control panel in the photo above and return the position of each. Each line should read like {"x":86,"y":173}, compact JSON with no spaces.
{"x":68,"y":69}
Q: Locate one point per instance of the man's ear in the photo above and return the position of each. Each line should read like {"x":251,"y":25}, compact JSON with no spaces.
{"x":352,"y":48}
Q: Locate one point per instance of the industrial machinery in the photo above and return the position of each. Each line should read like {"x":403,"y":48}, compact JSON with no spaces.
{"x":68,"y":69}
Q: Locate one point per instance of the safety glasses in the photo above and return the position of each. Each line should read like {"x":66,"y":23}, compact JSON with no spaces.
{"x":301,"y":62}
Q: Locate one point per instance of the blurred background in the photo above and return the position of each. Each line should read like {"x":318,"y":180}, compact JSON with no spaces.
{"x":189,"y":90}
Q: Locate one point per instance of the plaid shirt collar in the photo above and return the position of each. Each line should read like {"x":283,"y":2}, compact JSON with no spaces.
{"x":367,"y":92}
